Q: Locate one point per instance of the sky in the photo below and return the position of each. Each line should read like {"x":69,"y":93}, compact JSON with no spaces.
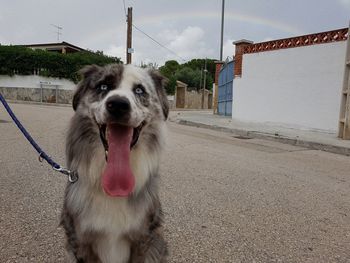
{"x":189,"y":28}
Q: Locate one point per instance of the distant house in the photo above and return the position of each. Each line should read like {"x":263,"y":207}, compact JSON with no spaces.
{"x":62,"y":47}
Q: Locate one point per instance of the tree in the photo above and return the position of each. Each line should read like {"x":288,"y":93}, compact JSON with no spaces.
{"x":189,"y":73}
{"x":151,"y":65}
{"x":168,"y":70}
{"x":188,"y":76}
{"x":170,"y":87}
{"x":199,"y":64}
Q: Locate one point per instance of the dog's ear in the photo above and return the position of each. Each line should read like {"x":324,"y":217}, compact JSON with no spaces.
{"x":160,"y":83}
{"x":86,"y":74}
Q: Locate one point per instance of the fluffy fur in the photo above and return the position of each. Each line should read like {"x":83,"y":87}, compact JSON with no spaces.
{"x":100,"y":228}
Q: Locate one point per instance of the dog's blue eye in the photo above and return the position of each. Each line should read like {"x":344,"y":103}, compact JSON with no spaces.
{"x":138,"y":90}
{"x":103,"y":87}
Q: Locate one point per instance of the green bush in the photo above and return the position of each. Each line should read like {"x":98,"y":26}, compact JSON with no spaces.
{"x":25,"y":61}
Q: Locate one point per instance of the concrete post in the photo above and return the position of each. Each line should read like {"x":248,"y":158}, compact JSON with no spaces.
{"x":56,"y":94}
{"x":41,"y":92}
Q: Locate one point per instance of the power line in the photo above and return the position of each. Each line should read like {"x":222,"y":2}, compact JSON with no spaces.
{"x":154,"y":40}
{"x":124,"y":8}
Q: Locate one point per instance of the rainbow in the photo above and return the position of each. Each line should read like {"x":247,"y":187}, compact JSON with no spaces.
{"x":229,"y":16}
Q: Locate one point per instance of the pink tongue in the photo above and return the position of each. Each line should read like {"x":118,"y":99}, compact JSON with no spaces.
{"x":117,"y":178}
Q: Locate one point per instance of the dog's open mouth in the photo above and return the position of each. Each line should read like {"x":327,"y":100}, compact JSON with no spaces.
{"x":103,"y":135}
{"x":118,"y":140}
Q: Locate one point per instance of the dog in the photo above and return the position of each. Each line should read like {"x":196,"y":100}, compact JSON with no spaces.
{"x":113,"y":212}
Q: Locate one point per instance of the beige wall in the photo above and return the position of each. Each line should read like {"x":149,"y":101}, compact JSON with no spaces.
{"x":193,"y":100}
{"x":34,"y":94}
{"x":185,"y":99}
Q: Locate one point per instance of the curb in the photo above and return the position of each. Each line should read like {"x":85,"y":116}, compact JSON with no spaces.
{"x":273,"y":137}
{"x":38,"y":103}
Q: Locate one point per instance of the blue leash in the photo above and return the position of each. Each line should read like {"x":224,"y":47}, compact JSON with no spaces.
{"x":72,"y":176}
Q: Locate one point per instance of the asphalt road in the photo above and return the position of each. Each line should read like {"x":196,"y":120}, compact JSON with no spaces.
{"x":225,"y":199}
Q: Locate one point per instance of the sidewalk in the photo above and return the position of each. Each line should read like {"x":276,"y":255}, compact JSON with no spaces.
{"x":314,"y":139}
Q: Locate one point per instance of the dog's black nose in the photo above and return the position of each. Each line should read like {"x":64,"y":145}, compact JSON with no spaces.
{"x":118,"y":106}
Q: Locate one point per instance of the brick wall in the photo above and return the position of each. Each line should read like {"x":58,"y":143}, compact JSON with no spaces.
{"x":218,"y":65}
{"x":214,"y":100}
{"x":238,"y":58}
{"x":247,"y":47}
{"x":300,"y":41}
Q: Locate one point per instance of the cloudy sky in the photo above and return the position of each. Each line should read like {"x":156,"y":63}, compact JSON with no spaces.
{"x":190,"y":28}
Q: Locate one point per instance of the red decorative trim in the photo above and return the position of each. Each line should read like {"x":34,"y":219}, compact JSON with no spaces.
{"x":306,"y":40}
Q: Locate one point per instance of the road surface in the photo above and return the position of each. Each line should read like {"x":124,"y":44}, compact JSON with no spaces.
{"x":225,"y":199}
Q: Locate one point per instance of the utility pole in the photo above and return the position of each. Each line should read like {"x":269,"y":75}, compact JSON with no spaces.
{"x":129,"y":36}
{"x":205,"y":78}
{"x":222,"y":28}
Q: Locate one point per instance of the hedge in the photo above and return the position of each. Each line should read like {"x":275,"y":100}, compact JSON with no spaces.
{"x":26,"y":61}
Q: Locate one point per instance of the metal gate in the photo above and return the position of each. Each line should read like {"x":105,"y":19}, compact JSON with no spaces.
{"x":225,"y":89}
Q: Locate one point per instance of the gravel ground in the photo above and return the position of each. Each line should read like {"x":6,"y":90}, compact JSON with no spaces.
{"x":225,"y":199}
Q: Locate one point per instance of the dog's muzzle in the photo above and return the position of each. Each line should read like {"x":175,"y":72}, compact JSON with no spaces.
{"x":119,"y":111}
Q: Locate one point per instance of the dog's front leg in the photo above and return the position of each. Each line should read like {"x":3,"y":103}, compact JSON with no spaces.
{"x":150,"y":248}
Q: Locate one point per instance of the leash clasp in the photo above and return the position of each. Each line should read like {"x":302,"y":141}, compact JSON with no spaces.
{"x":40,"y":157}
{"x":72,"y":176}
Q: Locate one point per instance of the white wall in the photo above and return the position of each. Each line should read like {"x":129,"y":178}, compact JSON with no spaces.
{"x":33,"y":81}
{"x":296,"y":86}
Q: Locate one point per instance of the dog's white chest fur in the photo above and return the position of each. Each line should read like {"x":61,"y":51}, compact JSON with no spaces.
{"x":111,"y":218}
{"x":110,"y":214}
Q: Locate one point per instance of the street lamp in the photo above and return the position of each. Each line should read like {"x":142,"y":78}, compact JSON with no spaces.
{"x":222,"y":28}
